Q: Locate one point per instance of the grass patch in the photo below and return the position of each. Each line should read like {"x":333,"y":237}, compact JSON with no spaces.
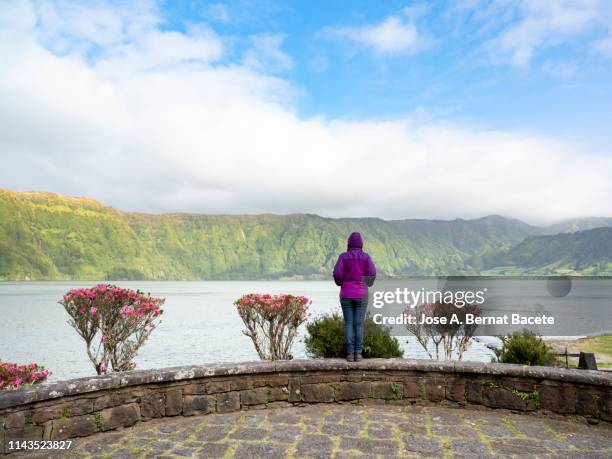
{"x":600,"y":345}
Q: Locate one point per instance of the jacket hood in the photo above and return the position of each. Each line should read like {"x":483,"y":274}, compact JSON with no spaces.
{"x":354,"y":240}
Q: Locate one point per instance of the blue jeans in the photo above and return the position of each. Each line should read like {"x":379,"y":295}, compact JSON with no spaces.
{"x":353,"y":310}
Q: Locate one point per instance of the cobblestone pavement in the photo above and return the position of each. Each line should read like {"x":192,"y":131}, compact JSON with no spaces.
{"x":344,"y":431}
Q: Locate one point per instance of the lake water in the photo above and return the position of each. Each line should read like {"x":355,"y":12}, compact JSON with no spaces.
{"x":199,"y":324}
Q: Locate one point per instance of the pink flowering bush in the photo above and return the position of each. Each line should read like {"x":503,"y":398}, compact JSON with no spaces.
{"x":14,"y":376}
{"x":272,"y":322}
{"x":114,"y":322}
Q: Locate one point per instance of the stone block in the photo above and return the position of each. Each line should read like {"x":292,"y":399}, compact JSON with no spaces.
{"x":387,"y":390}
{"x":15,"y":420}
{"x":119,"y":416}
{"x":228,"y":401}
{"x":279,"y":394}
{"x":62,"y":410}
{"x":520,"y":384}
{"x":174,"y":402}
{"x":455,"y":389}
{"x":401,"y":402}
{"x":413,"y":387}
{"x":47,"y":429}
{"x":473,"y":391}
{"x":194,"y":389}
{"x":380,"y":376}
{"x":499,"y":397}
{"x":271,"y":381}
{"x":353,"y":376}
{"x":241,"y":384}
{"x":27,"y":432}
{"x":214,"y":387}
{"x":586,"y":402}
{"x":371,"y":447}
{"x":153,"y":405}
{"x":315,"y":445}
{"x":317,"y":393}
{"x":558,"y":398}
{"x":318,"y":378}
{"x":353,"y":390}
{"x":116,"y":399}
{"x":295,"y":394}
{"x":435,"y":388}
{"x":605,"y":410}
{"x":273,"y":405}
{"x":83,"y":406}
{"x":420,"y":446}
{"x":255,"y":396}
{"x":78,"y":426}
{"x":262,"y":406}
{"x":198,"y":404}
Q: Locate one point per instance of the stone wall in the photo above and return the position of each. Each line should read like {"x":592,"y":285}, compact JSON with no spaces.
{"x":85,"y":406}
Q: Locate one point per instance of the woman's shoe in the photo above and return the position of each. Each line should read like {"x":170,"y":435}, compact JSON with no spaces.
{"x":358,"y":357}
{"x":350,"y":357}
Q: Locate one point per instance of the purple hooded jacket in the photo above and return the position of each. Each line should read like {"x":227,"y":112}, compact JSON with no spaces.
{"x":354,"y":270}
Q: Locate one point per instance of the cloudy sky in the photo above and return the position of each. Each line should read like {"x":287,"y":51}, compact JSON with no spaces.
{"x":345,"y":108}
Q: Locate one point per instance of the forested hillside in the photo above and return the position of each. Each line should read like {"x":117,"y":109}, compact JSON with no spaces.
{"x":583,"y":252}
{"x":48,"y":236}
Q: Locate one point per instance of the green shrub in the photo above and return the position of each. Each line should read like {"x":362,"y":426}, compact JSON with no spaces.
{"x":326,"y":338}
{"x":524,"y":347}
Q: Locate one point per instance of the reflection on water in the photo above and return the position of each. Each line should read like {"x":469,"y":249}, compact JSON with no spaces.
{"x":199,"y":324}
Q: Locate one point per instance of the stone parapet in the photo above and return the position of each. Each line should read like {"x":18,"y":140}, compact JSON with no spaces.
{"x":84,"y":406}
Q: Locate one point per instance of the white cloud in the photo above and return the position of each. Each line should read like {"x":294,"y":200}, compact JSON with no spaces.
{"x":562,"y":70}
{"x":219,"y":12}
{"x":530,"y":27}
{"x":151,"y":123}
{"x":69,"y":26}
{"x":266,"y":54}
{"x":162,"y":50}
{"x":604,"y":46}
{"x":396,"y":34}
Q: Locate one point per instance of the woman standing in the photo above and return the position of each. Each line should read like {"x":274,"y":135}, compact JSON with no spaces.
{"x":354,"y":273}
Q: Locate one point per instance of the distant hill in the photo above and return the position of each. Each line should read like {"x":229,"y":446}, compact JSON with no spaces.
{"x":583,"y":252}
{"x":45,"y":236}
{"x":473,"y":238}
{"x":578,"y":224}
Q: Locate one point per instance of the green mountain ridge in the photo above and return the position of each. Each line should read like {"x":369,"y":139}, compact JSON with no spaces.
{"x":586,"y":252}
{"x":45,"y":236}
{"x":573,"y":225}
